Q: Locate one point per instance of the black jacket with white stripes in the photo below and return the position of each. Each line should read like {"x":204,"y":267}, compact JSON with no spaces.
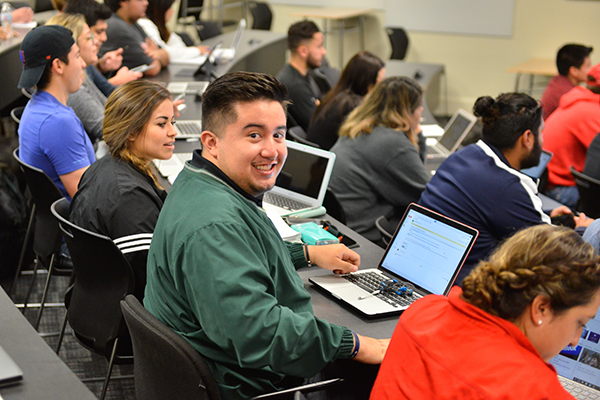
{"x":117,"y":200}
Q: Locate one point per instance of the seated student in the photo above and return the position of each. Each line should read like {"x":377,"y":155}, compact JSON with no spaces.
{"x":573,"y":63}
{"x":96,"y":14}
{"x":362,"y":72}
{"x":481,"y":186}
{"x":379,"y":167}
{"x":51,"y":137}
{"x":305,"y":42}
{"x":88,"y":102}
{"x":494,"y":338}
{"x":159,"y":12}
{"x":118,"y":195}
{"x":123,"y":32}
{"x":568,"y":134}
{"x":220,"y":275}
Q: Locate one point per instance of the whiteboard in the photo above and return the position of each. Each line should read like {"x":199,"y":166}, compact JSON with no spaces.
{"x":478,"y":17}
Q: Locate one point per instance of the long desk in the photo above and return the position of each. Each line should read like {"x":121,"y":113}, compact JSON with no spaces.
{"x":45,"y":375}
{"x":532,"y":67}
{"x":424,"y":74}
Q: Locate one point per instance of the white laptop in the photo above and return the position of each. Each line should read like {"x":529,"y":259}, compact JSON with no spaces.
{"x":424,"y":257}
{"x":10,"y":373}
{"x":455,"y":131}
{"x":172,"y":167}
{"x":188,"y":129}
{"x":579,"y":367}
{"x":187,"y":87}
{"x":302,"y":183}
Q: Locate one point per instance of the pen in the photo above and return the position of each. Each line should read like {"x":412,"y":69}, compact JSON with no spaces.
{"x":181,"y":96}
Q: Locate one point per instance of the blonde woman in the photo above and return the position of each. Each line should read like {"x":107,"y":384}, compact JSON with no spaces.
{"x":379,"y":167}
{"x":494,"y":338}
{"x":118,"y":195}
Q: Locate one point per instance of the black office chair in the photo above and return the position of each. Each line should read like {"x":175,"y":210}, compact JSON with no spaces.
{"x":297,"y":134}
{"x":399,"y":41}
{"x":207,"y":29}
{"x":16,"y":114}
{"x":168,"y":367}
{"x":262,"y":16}
{"x":589,"y":194}
{"x":385,"y":228}
{"x":43,"y":5}
{"x":334,"y":207}
{"x":47,"y":238}
{"x":189,"y":8}
{"x":102,"y":277}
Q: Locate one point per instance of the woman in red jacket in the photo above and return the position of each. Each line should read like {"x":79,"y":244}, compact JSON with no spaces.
{"x":493,"y":339}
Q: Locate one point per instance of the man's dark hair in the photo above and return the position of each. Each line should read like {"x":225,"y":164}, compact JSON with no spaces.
{"x":301,"y":32}
{"x":114,"y":5}
{"x":507,"y":117}
{"x":90,"y":9}
{"x":47,"y":74}
{"x":571,"y":55}
{"x":221,"y":96}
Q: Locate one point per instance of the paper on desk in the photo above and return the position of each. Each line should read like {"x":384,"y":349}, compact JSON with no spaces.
{"x":283,"y":228}
{"x":24,"y":25}
{"x":432,"y":130}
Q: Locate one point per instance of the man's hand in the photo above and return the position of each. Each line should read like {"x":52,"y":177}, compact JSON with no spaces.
{"x":111,"y":61}
{"x":125,"y":75}
{"x":371,"y":350}
{"x":22,"y":14}
{"x":562,"y":210}
{"x":335,"y":257}
{"x":582,"y":221}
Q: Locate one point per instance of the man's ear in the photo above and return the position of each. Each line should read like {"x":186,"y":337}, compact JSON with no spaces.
{"x":302,"y":51}
{"x":528,"y":139}
{"x":210,"y":143}
{"x":57,"y":66}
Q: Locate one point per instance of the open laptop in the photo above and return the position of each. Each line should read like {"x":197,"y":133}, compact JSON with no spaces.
{"x":579,"y":367}
{"x":302,"y":183}
{"x":10,"y":373}
{"x":172,"y":167}
{"x":455,"y":131}
{"x":425,"y":255}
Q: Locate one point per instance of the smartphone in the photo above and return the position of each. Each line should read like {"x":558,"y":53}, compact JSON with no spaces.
{"x":142,"y":68}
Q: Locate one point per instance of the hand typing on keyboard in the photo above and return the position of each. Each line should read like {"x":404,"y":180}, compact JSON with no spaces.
{"x":335,"y":257}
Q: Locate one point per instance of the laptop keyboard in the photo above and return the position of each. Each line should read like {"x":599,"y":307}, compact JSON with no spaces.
{"x":188,"y":129}
{"x":388,"y":291}
{"x":284,"y":202}
{"x":579,"y":390}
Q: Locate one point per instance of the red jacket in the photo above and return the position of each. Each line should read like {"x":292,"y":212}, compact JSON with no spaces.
{"x":569,"y":132}
{"x":444,"y":348}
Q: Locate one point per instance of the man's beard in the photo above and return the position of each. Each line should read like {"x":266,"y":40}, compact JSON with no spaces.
{"x":533,"y":158}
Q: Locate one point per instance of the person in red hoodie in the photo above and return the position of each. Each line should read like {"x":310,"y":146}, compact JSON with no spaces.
{"x":494,"y":338}
{"x":568,"y":134}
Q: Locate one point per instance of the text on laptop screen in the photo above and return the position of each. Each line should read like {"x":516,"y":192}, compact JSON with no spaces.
{"x":302,"y":173}
{"x":429,"y":250}
{"x":451,"y":136}
{"x":582,"y":362}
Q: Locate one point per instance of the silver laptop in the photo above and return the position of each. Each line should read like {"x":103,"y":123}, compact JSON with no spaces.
{"x":579,"y":367}
{"x":424,"y":257}
{"x":188,"y":129}
{"x":187,"y":87}
{"x":302,"y":183}
{"x":455,"y":131}
{"x":10,"y":373}
{"x":226,"y":54}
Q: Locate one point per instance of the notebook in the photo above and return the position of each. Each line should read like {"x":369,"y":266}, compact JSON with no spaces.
{"x":425,"y":255}
{"x":301,"y":185}
{"x":579,"y":367}
{"x":537,"y":171}
{"x":455,"y":131}
{"x":10,"y":373}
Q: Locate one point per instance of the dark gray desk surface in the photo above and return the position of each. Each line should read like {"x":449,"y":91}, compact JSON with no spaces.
{"x":45,"y":375}
{"x":422,"y":73}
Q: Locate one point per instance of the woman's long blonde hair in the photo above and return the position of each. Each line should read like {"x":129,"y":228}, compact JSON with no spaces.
{"x":128,"y":110}
{"x":389,"y":104}
{"x":73,"y":22}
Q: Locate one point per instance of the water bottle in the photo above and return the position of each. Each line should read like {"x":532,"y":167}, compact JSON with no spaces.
{"x":6,"y":17}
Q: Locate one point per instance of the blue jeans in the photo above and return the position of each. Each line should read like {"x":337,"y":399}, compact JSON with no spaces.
{"x":567,"y":195}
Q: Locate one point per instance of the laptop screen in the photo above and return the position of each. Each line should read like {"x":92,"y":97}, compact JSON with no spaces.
{"x":537,"y":171}
{"x":428,"y":250}
{"x":303,"y":172}
{"x":582,"y":362}
{"x":454,"y":131}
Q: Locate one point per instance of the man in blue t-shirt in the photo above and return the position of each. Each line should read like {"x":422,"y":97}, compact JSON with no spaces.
{"x":51,"y":137}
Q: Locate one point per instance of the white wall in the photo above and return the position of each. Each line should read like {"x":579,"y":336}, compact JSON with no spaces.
{"x":476,"y":65}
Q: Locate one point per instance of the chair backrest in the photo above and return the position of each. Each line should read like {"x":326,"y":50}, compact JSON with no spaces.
{"x":589,"y":194}
{"x":47,"y":237}
{"x":297,"y":134}
{"x":399,"y":41}
{"x":208,"y":29}
{"x":16,"y":114}
{"x":384,"y":227}
{"x":190,"y":8}
{"x":262,"y":16}
{"x":102,"y":278}
{"x":334,"y":207}
{"x":166,"y":365}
